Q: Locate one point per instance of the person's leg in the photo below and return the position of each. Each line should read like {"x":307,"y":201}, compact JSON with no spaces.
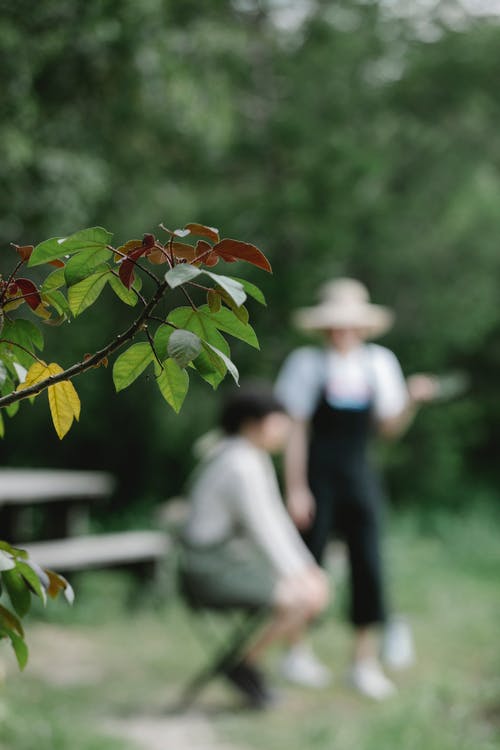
{"x":297,"y":600}
{"x":367,"y":600}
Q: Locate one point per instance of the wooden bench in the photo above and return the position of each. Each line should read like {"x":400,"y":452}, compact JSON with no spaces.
{"x":59,"y":501}
{"x":67,"y":495}
{"x":101,"y":550}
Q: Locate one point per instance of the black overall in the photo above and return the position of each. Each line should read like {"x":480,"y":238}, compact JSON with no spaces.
{"x":348,"y":502}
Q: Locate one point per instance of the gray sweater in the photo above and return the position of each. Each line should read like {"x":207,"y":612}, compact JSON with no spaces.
{"x":235,"y":493}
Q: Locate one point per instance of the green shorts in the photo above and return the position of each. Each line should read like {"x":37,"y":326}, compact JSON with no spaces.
{"x":229,"y":574}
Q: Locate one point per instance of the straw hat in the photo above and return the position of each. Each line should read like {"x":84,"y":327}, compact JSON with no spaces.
{"x":345,"y":303}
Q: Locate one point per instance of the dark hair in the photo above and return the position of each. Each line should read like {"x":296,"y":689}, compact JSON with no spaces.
{"x":252,"y":402}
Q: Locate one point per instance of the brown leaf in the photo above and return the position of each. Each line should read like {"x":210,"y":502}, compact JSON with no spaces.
{"x":24,"y":251}
{"x":182,"y":250}
{"x":127,"y":248}
{"x":157,"y":255}
{"x":232,"y":250}
{"x":203,"y":231}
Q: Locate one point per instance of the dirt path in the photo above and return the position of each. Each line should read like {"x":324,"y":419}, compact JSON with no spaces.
{"x":189,"y":732}
{"x":65,"y":657}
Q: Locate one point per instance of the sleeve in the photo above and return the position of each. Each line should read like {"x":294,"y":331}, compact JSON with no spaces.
{"x":391,"y":393}
{"x":262,"y":515}
{"x":299,"y":382}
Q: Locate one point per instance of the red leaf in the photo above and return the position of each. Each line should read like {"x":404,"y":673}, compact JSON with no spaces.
{"x":203,"y":252}
{"x":126,"y":272}
{"x":24,"y":251}
{"x":203,"y":231}
{"x":232,"y":250}
{"x":148,"y":241}
{"x":29,"y":292}
{"x":57,"y":263}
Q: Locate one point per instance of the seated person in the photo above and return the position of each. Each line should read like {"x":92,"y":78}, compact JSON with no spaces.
{"x":241,"y":548}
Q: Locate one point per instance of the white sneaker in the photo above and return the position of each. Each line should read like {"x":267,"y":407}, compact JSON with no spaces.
{"x":301,"y":667}
{"x":398,"y":649}
{"x":368,"y":678}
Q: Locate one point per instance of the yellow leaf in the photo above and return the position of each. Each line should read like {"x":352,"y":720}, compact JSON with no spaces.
{"x":42,"y":312}
{"x":38,"y":371}
{"x":64,"y":406}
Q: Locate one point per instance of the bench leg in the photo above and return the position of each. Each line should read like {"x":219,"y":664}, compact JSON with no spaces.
{"x":223,"y":659}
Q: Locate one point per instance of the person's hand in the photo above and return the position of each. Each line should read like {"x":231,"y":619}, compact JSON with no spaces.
{"x":301,"y":506}
{"x":422,"y":388}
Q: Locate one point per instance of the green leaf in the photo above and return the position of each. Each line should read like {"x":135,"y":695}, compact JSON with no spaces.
{"x":183,"y":346}
{"x":181,"y":274}
{"x":225,"y":320}
{"x":231,"y":367}
{"x":84,"y":294}
{"x":233,"y":287}
{"x":12,"y":409}
{"x":57,"y":247}
{"x":126,"y":295}
{"x":173,"y":383}
{"x":20,"y":648}
{"x":2,"y":426}
{"x":6,"y":562}
{"x":32,"y":580}
{"x":202,"y":323}
{"x":131,"y":364}
{"x":82,"y":265}
{"x":23,"y":332}
{"x":10,"y":621}
{"x":15,"y":551}
{"x":210,"y":366}
{"x":58,"y":301}
{"x":19,"y":593}
{"x":252,"y":290}
{"x":54,"y":280}
{"x":161,"y":339}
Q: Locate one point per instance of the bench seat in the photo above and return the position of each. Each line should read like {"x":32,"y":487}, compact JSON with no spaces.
{"x":100,"y":550}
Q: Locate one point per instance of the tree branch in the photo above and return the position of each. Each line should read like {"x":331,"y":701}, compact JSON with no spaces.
{"x":95,"y":359}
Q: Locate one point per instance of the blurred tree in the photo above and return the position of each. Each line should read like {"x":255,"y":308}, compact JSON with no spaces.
{"x":353,"y":143}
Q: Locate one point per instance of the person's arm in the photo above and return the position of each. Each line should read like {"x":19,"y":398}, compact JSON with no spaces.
{"x":299,"y":498}
{"x":260,"y":512}
{"x":298,"y":387}
{"x":421,"y":389}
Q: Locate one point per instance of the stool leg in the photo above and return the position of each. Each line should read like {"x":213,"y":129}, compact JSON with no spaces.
{"x":224,"y":658}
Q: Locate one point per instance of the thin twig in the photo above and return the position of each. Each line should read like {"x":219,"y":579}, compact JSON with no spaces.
{"x":9,"y":281}
{"x":14,"y":343}
{"x":151,"y":343}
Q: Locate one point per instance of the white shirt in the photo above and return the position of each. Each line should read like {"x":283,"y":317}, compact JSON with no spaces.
{"x":369,"y":373}
{"x":236,"y":493}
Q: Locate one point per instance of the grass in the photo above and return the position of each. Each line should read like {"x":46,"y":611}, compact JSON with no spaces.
{"x":108,"y":657}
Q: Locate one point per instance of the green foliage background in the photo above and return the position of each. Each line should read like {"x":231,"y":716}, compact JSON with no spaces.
{"x":356,"y":143}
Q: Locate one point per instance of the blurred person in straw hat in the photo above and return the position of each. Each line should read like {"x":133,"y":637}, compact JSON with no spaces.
{"x":339,"y":395}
